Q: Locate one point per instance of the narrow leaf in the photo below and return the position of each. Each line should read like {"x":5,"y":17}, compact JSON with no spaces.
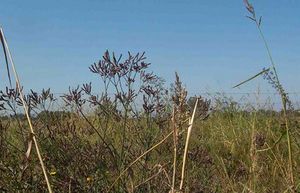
{"x":5,"y":55}
{"x":249,"y":79}
{"x":250,"y":18}
{"x":259,"y":23}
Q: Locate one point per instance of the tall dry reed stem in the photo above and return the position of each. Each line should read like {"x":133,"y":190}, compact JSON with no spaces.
{"x":26,"y":112}
{"x":175,"y":136}
{"x":179,"y":118}
{"x":253,"y":156}
{"x":187,"y":144}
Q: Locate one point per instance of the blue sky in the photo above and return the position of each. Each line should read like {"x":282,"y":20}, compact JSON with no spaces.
{"x":210,"y":43}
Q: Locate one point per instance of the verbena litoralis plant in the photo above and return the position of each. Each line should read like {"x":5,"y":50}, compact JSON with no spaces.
{"x":125,"y":82}
{"x":36,"y":103}
{"x":9,"y":105}
{"x":271,"y":75}
{"x":10,"y":102}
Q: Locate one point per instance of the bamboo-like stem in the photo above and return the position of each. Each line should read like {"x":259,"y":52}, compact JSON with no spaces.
{"x":187,"y":144}
{"x":26,"y":112}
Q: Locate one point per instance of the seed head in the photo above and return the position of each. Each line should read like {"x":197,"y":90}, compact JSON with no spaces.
{"x":249,"y":7}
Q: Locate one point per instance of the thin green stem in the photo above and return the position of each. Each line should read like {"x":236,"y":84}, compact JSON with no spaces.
{"x":284,"y":105}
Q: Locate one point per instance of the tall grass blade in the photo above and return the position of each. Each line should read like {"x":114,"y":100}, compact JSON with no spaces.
{"x":5,"y":56}
{"x":253,"y":77}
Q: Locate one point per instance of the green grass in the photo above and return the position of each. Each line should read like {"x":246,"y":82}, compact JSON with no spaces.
{"x":219,"y":158}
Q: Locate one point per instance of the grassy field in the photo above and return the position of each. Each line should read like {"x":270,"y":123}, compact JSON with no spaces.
{"x":233,"y":150}
{"x":140,"y":135}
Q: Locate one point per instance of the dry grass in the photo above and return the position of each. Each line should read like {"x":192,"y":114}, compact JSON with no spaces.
{"x":19,"y":89}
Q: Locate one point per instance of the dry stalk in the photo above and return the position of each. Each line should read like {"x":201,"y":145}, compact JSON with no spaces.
{"x":137,"y":159}
{"x":253,"y":156}
{"x":141,"y":156}
{"x":187,"y":144}
{"x":161,"y":169}
{"x":175,"y":136}
{"x":26,"y":113}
